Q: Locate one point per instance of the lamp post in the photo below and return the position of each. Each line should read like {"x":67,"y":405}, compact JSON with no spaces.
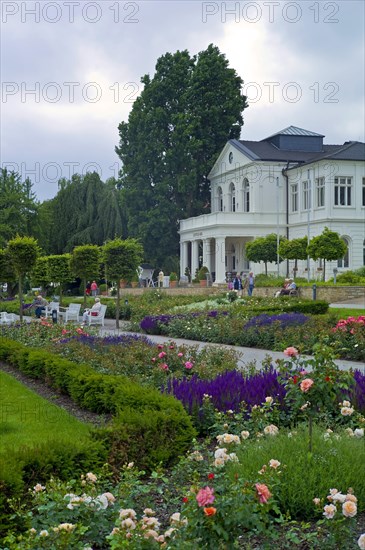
{"x":277,"y":226}
{"x":309,"y":199}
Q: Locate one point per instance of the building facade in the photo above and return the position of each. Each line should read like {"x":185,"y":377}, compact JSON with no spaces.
{"x":291,"y":184}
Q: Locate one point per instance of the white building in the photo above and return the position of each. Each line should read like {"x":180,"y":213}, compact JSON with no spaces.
{"x":290,"y":184}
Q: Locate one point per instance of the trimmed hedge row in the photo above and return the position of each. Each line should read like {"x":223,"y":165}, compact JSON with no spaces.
{"x":148,"y":428}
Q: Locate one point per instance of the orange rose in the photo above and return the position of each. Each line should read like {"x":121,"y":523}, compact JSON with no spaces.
{"x":210,"y":511}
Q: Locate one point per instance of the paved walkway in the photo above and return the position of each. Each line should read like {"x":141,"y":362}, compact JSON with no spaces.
{"x":247,"y":355}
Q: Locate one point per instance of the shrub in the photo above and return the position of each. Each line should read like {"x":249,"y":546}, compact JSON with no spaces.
{"x":147,"y":438}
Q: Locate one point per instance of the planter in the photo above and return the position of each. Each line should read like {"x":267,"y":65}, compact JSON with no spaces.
{"x":122,"y":284}
{"x":173,"y":284}
{"x":203,"y":283}
{"x":134,"y":284}
{"x":104,"y":293}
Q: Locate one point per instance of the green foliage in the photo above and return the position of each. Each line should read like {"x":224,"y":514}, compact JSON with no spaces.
{"x":85,"y":263}
{"x":18,"y":206}
{"x":173,"y":276}
{"x":201,"y":275}
{"x":263,"y":249}
{"x":141,"y":437}
{"x":23,"y":253}
{"x":84,"y":211}
{"x":328,"y":246}
{"x":39,"y":273}
{"x":175,"y":130}
{"x":296,"y":249}
{"x":122,"y":259}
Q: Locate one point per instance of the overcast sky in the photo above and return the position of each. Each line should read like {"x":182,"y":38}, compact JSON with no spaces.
{"x":70,"y":71}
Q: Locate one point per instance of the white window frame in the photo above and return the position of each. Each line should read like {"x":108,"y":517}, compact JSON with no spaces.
{"x":220,"y":199}
{"x":232,"y":190}
{"x":342,"y":191}
{"x":363,"y":193}
{"x":344,"y":262}
{"x":246,"y":195}
{"x":306,"y":188}
{"x":294,"y":197}
{"x":320,"y":192}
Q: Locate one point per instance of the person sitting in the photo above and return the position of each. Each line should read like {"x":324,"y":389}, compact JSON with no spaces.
{"x":39,"y":304}
{"x":288,"y":287}
{"x":94,"y":311}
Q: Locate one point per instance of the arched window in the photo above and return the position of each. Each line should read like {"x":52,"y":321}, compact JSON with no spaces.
{"x":246,"y":195}
{"x":344,"y":262}
{"x":220,"y":200}
{"x":232,"y":195}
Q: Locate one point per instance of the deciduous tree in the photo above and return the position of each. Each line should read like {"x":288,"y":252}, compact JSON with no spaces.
{"x":327,"y":246}
{"x":23,"y":253}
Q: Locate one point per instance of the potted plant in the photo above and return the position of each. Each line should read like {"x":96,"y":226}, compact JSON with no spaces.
{"x":173,"y":279}
{"x":202,"y":275}
{"x":103,"y":289}
{"x":134,"y":281}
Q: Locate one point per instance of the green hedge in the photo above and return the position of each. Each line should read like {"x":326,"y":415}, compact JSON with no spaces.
{"x":100,"y":393}
{"x":149,"y":428}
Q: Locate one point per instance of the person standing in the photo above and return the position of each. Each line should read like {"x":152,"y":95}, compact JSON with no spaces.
{"x":237,"y":285}
{"x":251,"y":283}
{"x":160,"y":278}
{"x":94,"y":288}
{"x":88,"y":288}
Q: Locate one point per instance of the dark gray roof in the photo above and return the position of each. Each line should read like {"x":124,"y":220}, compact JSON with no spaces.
{"x":266,"y":151}
{"x":294,"y":131}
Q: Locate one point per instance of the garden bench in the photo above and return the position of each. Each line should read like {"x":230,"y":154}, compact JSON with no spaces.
{"x":70,"y":313}
{"x":92,"y":319}
{"x":7,"y":318}
{"x":294,"y":292}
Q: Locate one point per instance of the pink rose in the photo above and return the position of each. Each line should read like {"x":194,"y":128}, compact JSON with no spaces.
{"x":205,"y":496}
{"x":189,"y":365}
{"x":306,"y":384}
{"x":180,"y":354}
{"x":164,"y":366}
{"x":291,"y":352}
{"x":263,"y":492}
{"x":162,"y":355}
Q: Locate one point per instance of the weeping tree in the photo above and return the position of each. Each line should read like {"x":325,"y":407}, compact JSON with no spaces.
{"x":327,"y":246}
{"x":122,"y":258}
{"x":23,"y":253}
{"x":296,"y":249}
{"x":59,"y":270}
{"x":85,"y":263}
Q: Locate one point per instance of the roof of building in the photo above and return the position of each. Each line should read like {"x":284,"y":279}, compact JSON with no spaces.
{"x":294,"y":131}
{"x":267,"y":151}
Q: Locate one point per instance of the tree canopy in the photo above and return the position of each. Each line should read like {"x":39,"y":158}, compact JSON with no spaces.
{"x":175,"y":131}
{"x":18,"y":206}
{"x":263,"y":249}
{"x":327,"y":246}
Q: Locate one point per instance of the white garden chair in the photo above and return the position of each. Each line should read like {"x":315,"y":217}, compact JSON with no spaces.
{"x":96,"y":319}
{"x":51,"y":306}
{"x":7,"y":318}
{"x":70,"y":313}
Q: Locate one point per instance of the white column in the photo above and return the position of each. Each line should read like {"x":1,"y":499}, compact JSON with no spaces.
{"x":220,"y":262}
{"x":183,"y":257}
{"x":194,"y":257}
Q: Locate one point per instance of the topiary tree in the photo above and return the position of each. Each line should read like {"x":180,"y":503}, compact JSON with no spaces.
{"x":39,"y":274}
{"x":263,"y":249}
{"x":59,"y":270}
{"x":7,"y":273}
{"x":85,"y":263}
{"x":296,"y":249}
{"x":122,"y":258}
{"x":23,"y":253}
{"x":327,"y":246}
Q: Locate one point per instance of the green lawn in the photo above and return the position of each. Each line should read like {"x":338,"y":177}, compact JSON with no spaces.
{"x":28,"y":420}
{"x":343,"y":312}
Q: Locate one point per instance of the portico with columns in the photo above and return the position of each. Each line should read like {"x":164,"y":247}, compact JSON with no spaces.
{"x":289,"y":184}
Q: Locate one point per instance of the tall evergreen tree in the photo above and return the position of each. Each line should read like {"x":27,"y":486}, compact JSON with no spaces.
{"x":174,"y":133}
{"x":18,"y":206}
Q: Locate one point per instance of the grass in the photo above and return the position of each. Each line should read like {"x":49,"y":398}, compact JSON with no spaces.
{"x":344,"y":312}
{"x":28,"y":420}
{"x":336,"y":462}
